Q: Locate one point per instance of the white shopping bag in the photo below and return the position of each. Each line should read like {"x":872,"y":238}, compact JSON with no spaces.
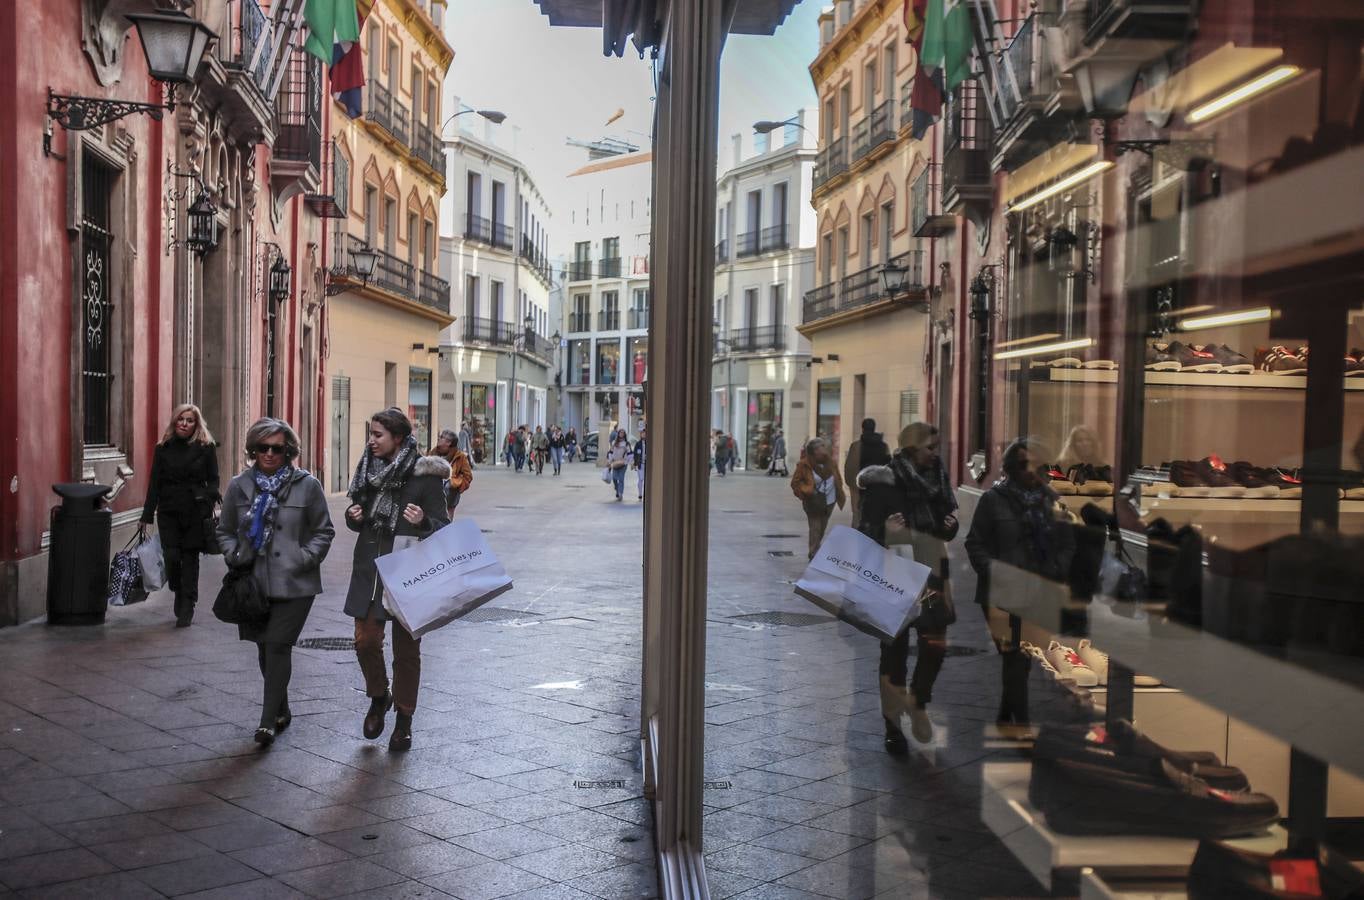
{"x":445,"y":576}
{"x":872,"y":588}
{"x":153,"y":563}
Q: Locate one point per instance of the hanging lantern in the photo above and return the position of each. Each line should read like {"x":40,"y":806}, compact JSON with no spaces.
{"x":279,"y":280}
{"x":203,"y":225}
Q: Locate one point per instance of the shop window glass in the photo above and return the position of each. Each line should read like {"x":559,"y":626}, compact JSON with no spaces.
{"x":419,"y":405}
{"x":608,"y":363}
{"x":481,"y":414}
{"x":764,"y":418}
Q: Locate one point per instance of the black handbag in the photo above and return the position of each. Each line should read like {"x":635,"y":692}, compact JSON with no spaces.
{"x":211,"y":547}
{"x":239,"y":600}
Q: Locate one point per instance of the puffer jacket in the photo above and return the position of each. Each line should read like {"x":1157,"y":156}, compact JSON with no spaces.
{"x":289,"y":566}
{"x":424,"y":488}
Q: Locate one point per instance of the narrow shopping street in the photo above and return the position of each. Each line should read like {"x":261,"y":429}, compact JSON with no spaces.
{"x":128,"y":768}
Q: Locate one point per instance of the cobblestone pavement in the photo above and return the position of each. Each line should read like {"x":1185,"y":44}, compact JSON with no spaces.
{"x":128,"y":769}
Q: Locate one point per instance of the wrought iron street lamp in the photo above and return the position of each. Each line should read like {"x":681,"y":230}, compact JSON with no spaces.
{"x":366,"y":261}
{"x":279,"y":280}
{"x":893,"y":278}
{"x":174,"y":44}
{"x":203,"y":224}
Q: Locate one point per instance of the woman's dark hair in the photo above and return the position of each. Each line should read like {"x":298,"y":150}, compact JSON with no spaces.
{"x":1011,"y":464}
{"x":394,"y":421}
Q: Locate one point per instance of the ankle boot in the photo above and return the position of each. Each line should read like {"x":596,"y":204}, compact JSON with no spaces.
{"x":401,"y":739}
{"x":374,"y":719}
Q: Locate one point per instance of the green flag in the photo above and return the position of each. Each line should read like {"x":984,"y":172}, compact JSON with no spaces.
{"x":330,"y":22}
{"x":947,"y":42}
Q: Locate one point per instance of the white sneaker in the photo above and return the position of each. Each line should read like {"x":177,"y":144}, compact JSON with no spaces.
{"x":1098,"y":661}
{"x":1069,"y":664}
{"x":1036,"y":653}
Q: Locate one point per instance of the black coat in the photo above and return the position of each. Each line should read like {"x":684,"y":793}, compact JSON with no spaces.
{"x":890,"y":489}
{"x":182,"y":491}
{"x":424,"y":488}
{"x":999,"y":532}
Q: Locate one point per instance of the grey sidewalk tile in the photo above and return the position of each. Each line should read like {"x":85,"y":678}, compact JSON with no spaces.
{"x":202,"y":815}
{"x":567,"y":862}
{"x":629,"y":882}
{"x":403,"y":890}
{"x":260,"y":889}
{"x":338,"y":879}
{"x":814,"y":843}
{"x":171,"y":796}
{"x":95,"y":806}
{"x":52,"y":867}
{"x":455,"y":822}
{"x":405,"y":805}
{"x":89,"y":832}
{"x":724,"y":885}
{"x":508,"y":841}
{"x":758,"y":863}
{"x":290,"y":855}
{"x":241,"y":834}
{"x":835,"y":879}
{"x":149,"y":850}
{"x":322,"y":820}
{"x":200,"y":873}
{"x":16,"y":842}
{"x":486,"y":882}
{"x":424,"y":860}
{"x":47,"y":790}
{"x":552,"y":892}
{"x":122,"y":886}
{"x":526,"y":807}
{"x":378,"y":837}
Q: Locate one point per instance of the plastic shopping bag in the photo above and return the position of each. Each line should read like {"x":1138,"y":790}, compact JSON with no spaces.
{"x":606,"y":475}
{"x":447,"y":575}
{"x":874,"y":589}
{"x":125,"y":578}
{"x":153,"y":563}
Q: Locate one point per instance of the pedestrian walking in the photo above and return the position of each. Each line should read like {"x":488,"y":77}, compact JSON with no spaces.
{"x":539,"y":446}
{"x":571,"y":444}
{"x":778,"y":464}
{"x":181,"y":494}
{"x":817,"y":485}
{"x":721,"y":446}
{"x":912,"y":491}
{"x":1020,"y":523}
{"x":396,"y":493}
{"x":616,"y":461}
{"x":868,"y":450}
{"x":640,"y":456}
{"x":732,"y":448}
{"x":275,"y":520}
{"x":465,"y":443}
{"x":556,"y":448}
{"x":509,"y":448}
{"x":461,"y":469}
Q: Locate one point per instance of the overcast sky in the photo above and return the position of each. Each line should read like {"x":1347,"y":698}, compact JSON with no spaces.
{"x":555,"y":84}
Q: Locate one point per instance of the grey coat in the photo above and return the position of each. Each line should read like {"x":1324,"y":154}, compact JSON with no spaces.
{"x":290,"y":564}
{"x":425,"y":488}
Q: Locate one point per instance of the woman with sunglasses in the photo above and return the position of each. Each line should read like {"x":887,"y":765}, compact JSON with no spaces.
{"x":180,"y":497}
{"x":275,"y":520}
{"x":396,"y":493}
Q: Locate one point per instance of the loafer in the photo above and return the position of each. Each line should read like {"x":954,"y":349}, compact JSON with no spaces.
{"x":374,"y":719}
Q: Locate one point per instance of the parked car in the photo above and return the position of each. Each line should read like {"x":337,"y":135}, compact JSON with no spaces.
{"x":588,"y":448}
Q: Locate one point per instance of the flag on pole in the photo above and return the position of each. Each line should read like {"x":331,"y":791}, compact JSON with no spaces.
{"x":330,"y":22}
{"x":943,"y":47}
{"x":926,"y":94}
{"x":348,"y":74}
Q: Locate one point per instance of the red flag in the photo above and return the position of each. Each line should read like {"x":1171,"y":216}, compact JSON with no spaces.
{"x":348,"y":72}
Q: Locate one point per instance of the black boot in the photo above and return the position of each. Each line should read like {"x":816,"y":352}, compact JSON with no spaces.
{"x":1013,"y":694}
{"x":401,"y":739}
{"x":184,"y":611}
{"x":896,"y":744}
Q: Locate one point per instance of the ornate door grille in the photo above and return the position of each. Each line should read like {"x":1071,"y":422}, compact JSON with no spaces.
{"x":96,"y":321}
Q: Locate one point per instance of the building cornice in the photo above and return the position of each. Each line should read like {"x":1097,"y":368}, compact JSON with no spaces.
{"x":397,"y":301}
{"x":792,"y":156}
{"x":852,"y":39}
{"x":418,"y":24}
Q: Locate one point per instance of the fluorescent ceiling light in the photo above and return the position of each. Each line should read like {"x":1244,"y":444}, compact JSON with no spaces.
{"x":1240,"y":317}
{"x":1027,"y":340}
{"x":1077,"y":344}
{"x":1069,"y":181}
{"x":1237,"y":96}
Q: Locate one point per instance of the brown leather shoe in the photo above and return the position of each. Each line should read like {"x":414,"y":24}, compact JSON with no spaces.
{"x":374,"y":719}
{"x":401,"y":739}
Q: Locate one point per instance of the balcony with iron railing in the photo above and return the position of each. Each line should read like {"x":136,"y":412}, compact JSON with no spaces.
{"x":926,"y":218}
{"x":247,"y":42}
{"x":580,"y":270}
{"x":774,"y":237}
{"x":863,"y":288}
{"x":428,"y":147}
{"x":638,"y":318}
{"x":394,"y":275}
{"x":379,"y":105}
{"x":536,"y":261}
{"x":830,"y":162}
{"x":609,"y":267}
{"x":487,"y":231}
{"x":608,"y":320}
{"x":758,"y":339}
{"x":298,"y":114}
{"x":748,"y":244}
{"x":722,"y":252}
{"x":332,"y":200}
{"x":966,"y":149}
{"x":488,"y":331}
{"x":401,"y":127}
{"x":861,"y":138}
{"x":433,"y":291}
{"x":883,"y":126}
{"x":502,"y":235}
{"x":1154,"y":21}
{"x":579,"y":322}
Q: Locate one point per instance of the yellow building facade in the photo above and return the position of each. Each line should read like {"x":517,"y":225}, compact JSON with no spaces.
{"x":384,"y":325}
{"x":867,"y":344}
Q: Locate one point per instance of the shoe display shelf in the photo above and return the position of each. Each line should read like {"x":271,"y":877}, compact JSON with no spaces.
{"x":1098,"y":886}
{"x":1056,"y":860}
{"x":1190,"y":379}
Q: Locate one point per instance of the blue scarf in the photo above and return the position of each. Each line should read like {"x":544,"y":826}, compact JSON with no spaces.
{"x":263,"y":508}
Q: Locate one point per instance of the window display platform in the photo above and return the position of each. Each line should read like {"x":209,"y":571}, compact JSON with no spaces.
{"x":1094,"y":886}
{"x":1188,"y":379}
{"x":1046,"y":854}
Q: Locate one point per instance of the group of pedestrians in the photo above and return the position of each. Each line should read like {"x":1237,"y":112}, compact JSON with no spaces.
{"x":527,"y":450}
{"x":622,"y":456}
{"x":724,"y":452}
{"x":275,"y":523}
{"x":906,"y":497}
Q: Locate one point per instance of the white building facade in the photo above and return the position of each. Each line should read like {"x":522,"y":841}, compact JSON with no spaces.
{"x":764,"y":264}
{"x":500,"y":355}
{"x":605,"y":326}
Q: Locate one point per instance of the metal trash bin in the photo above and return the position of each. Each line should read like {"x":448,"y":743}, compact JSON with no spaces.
{"x":78,"y":556}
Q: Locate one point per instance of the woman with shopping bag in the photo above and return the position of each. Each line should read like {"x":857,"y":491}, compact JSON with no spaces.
{"x":913,"y":492}
{"x":275,"y":522}
{"x":616,"y":461}
{"x":181,"y":494}
{"x":396,"y":493}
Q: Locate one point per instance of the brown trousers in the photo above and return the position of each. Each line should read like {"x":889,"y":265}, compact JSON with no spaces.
{"x":407,"y":662}
{"x":819,"y":523}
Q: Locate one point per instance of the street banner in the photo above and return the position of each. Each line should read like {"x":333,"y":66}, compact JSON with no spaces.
{"x":432,"y":582}
{"x":872,"y":588}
